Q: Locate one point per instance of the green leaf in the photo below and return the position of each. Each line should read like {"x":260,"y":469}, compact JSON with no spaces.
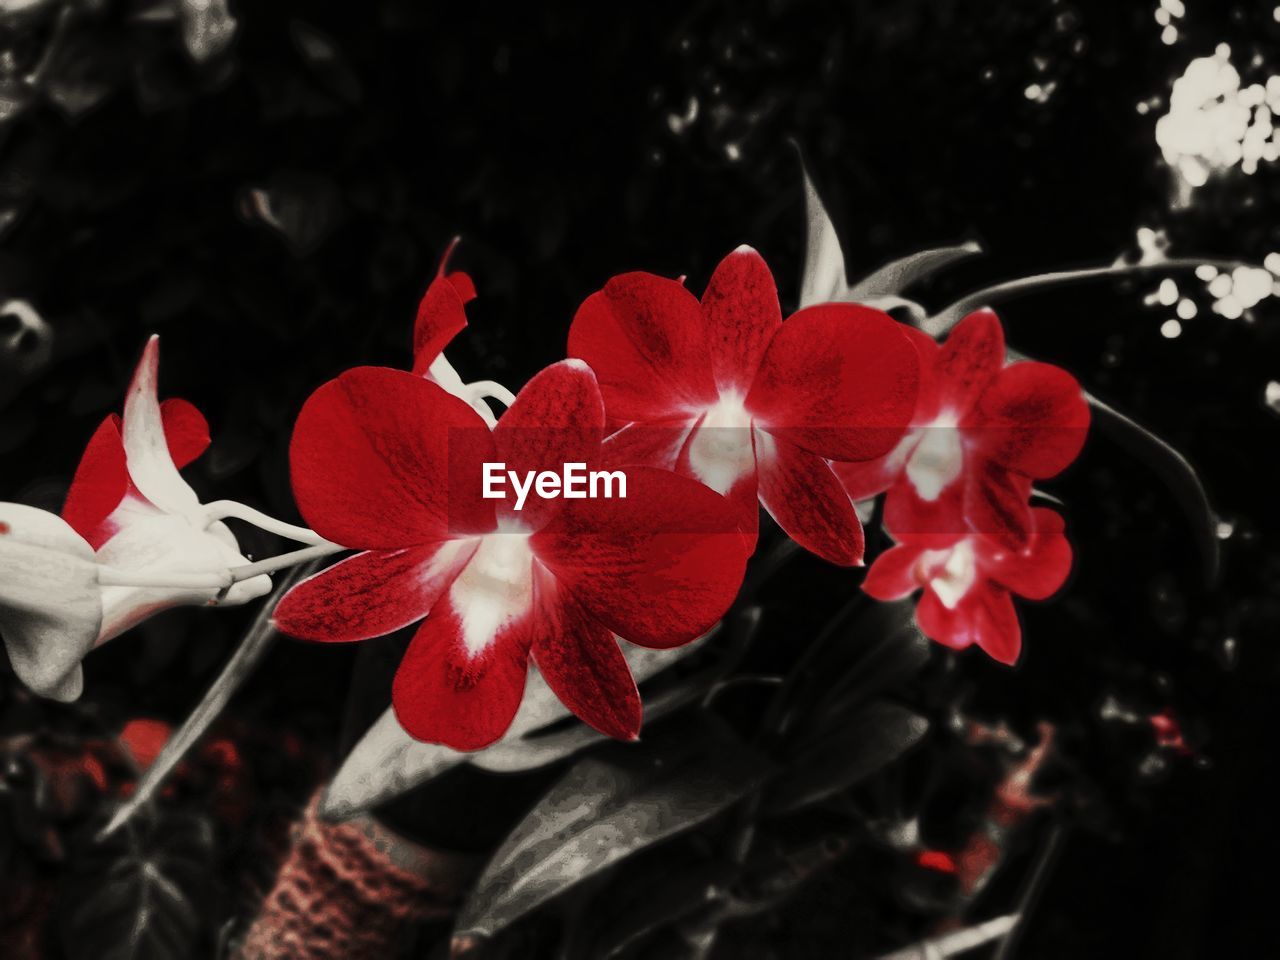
{"x":869,"y":740}
{"x":609,"y":807}
{"x":146,"y":894}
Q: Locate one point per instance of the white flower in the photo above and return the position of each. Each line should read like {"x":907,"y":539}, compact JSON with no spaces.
{"x":50,"y":605}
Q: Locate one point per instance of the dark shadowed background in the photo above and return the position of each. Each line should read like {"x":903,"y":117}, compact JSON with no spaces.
{"x":276,"y":210}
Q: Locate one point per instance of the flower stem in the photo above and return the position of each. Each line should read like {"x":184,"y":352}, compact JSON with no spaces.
{"x":958,"y":941}
{"x":247,"y":656}
{"x":115,"y":577}
{"x":293,"y":557}
{"x":221,"y":509}
{"x":949,"y":316}
{"x":480,"y":389}
{"x":442,"y":371}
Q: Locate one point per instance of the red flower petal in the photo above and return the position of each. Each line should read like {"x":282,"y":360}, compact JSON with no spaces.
{"x":643,"y":336}
{"x":801,"y":492}
{"x":995,"y":625}
{"x":928,"y":402}
{"x":102,"y":477}
{"x":939,"y":622}
{"x":382,"y":459}
{"x":985,"y":617}
{"x":461,"y":281}
{"x":557,"y":418}
{"x":1033,"y":419}
{"x":185,"y":431}
{"x":869,"y":477}
{"x":371,"y":594}
{"x":839,"y":380}
{"x":741,"y":313}
{"x":463,"y":284}
{"x":1039,"y":570}
{"x":658,"y":568}
{"x":646,"y":444}
{"x":100,"y":483}
{"x":582,"y":664}
{"x":969,"y":360}
{"x":441,"y":317}
{"x":445,"y":693}
{"x":906,"y":513}
{"x":996,"y":503}
{"x":893,"y":574}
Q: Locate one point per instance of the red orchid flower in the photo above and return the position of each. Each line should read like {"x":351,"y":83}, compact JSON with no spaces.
{"x":968,"y":580}
{"x":981,"y":432}
{"x":722,"y":390}
{"x":441,"y":314}
{"x":130,"y":503}
{"x":441,"y":317}
{"x":391,"y":464}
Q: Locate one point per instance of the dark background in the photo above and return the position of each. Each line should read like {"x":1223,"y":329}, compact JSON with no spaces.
{"x":555,"y":141}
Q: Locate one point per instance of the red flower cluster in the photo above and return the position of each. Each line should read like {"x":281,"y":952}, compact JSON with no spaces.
{"x":723,"y":391}
{"x":959,"y":486}
{"x":390,"y":463}
{"x":981,"y":432}
{"x":709,"y":407}
{"x":968,"y":580}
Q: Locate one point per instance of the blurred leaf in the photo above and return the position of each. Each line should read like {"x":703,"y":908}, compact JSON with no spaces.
{"x":248,"y":654}
{"x":1178,"y":474}
{"x":864,"y":650}
{"x":884,"y":648}
{"x":324,"y":58}
{"x":1173,"y":468}
{"x":650,"y":898}
{"x":388,"y":762}
{"x":303,"y":208}
{"x":874,"y":737}
{"x":606,"y":809}
{"x":207,"y":27}
{"x":80,"y":75}
{"x":145,"y":895}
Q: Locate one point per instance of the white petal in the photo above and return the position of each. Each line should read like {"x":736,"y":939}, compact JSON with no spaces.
{"x":146,"y":450}
{"x":151,"y":541}
{"x":50,"y":605}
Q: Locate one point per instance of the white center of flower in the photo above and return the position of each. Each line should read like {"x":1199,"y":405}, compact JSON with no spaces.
{"x":152,"y":541}
{"x":720,"y":451}
{"x":937,"y":459}
{"x":951,"y":572}
{"x":494,"y":588}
